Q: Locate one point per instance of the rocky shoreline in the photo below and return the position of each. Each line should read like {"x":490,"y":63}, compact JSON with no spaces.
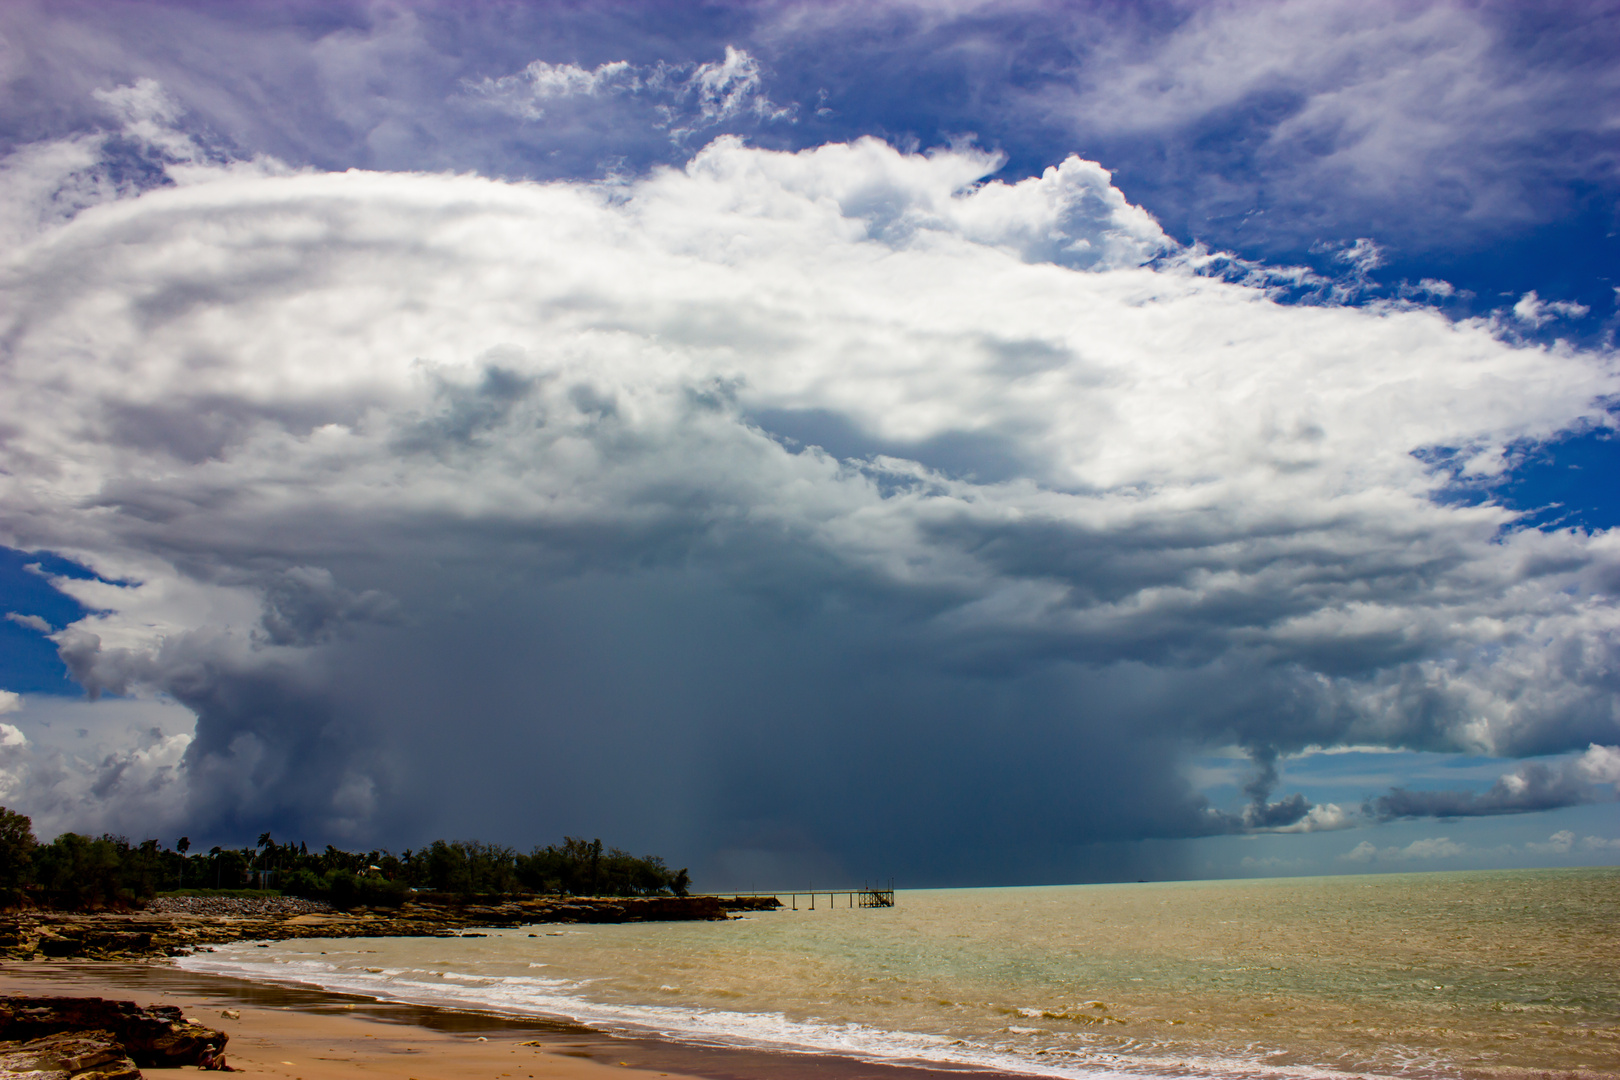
{"x":177,"y":926}
{"x":91,"y":1038}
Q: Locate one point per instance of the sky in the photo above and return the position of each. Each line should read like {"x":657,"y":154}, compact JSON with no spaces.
{"x":954,"y":442}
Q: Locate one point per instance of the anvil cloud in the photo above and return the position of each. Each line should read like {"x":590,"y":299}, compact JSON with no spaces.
{"x":835,"y":504}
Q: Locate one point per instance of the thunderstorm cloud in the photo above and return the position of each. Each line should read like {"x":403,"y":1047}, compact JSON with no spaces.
{"x":831,"y":500}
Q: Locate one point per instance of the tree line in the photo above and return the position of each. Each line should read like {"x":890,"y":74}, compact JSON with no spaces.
{"x":76,"y":872}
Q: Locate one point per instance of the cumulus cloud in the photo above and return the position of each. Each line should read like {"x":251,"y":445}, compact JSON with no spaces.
{"x":1433,"y":848}
{"x":1529,"y":788}
{"x":1291,"y":814}
{"x":1559,"y":843}
{"x":775,"y":482}
{"x":1426,"y":849}
{"x":1364,"y":852}
{"x":1438,"y":847}
{"x":107,"y":767}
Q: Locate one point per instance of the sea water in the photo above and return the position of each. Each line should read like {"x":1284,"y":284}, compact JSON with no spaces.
{"x":1409,"y":975}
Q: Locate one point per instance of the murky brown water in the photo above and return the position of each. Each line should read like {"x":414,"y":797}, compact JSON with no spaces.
{"x":1418,"y":975}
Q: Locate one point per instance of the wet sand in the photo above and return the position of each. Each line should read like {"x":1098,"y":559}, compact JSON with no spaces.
{"x":291,"y":1033}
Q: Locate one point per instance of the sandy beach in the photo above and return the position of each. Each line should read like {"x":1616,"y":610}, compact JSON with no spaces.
{"x":292,"y":1033}
{"x":312,"y":1036}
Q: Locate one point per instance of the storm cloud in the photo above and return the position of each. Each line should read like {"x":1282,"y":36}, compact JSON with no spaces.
{"x":839,"y":507}
{"x":1533,"y":786}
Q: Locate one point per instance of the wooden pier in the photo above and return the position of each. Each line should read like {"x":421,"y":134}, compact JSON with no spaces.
{"x":854,"y":897}
{"x":807,"y":900}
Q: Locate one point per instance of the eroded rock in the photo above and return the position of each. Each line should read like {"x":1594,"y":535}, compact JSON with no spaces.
{"x":158,"y":1036}
{"x":71,"y":1055}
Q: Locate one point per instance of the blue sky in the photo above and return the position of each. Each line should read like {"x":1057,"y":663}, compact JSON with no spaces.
{"x":975,"y":443}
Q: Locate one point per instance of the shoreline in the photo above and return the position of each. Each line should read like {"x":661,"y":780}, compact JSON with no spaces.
{"x":306,"y":1033}
{"x":174,"y":926}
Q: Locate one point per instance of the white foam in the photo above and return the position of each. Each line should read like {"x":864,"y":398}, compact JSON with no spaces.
{"x":559,"y":999}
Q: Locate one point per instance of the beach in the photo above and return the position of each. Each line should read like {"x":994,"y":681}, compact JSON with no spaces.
{"x":313,"y":1036}
{"x":292,"y":1033}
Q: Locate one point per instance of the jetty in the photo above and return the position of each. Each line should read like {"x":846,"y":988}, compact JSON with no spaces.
{"x":807,"y":900}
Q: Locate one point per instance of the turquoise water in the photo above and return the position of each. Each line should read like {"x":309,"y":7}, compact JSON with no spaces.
{"x":1414,"y":975}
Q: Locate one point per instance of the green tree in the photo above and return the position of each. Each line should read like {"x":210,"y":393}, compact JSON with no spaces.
{"x":78,"y":872}
{"x":17,"y":845}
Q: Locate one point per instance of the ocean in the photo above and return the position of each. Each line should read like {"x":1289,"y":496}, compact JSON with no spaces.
{"x":1503,"y":973}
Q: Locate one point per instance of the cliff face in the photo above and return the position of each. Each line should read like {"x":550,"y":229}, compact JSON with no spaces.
{"x":179,"y":925}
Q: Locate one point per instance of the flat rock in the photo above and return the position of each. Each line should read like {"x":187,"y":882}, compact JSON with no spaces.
{"x":74,"y":1055}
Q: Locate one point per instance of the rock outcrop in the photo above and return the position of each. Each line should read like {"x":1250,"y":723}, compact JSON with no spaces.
{"x":92,"y":1038}
{"x":175,"y":926}
{"x":83,"y":1055}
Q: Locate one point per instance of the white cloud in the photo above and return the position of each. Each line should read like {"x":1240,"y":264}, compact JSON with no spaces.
{"x":1443,"y":847}
{"x":1405,"y":112}
{"x":1559,"y":843}
{"x":719,"y":91}
{"x":307,"y":414}
{"x":523,"y":94}
{"x":1363,"y":256}
{"x":1429,"y":848}
{"x":1599,"y":843}
{"x":1364,"y":852}
{"x":32,"y":622}
{"x":1537,"y":312}
{"x":688,"y":98}
{"x":114,"y":766}
{"x":150,"y":115}
{"x":1437,"y":847}
{"x":44,"y":185}
{"x":10,"y":701}
{"x":1599,"y":765}
{"x":1324,"y":817}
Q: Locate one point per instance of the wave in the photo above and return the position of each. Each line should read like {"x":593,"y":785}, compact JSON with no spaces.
{"x":534,"y":997}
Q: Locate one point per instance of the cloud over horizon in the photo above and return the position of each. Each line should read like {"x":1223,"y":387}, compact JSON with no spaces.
{"x":743,"y":504}
{"x":1534,"y":786}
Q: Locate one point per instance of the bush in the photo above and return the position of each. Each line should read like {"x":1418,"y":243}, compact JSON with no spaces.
{"x":345,"y":889}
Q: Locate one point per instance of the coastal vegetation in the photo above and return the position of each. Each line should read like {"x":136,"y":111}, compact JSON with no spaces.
{"x":75,"y":872}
